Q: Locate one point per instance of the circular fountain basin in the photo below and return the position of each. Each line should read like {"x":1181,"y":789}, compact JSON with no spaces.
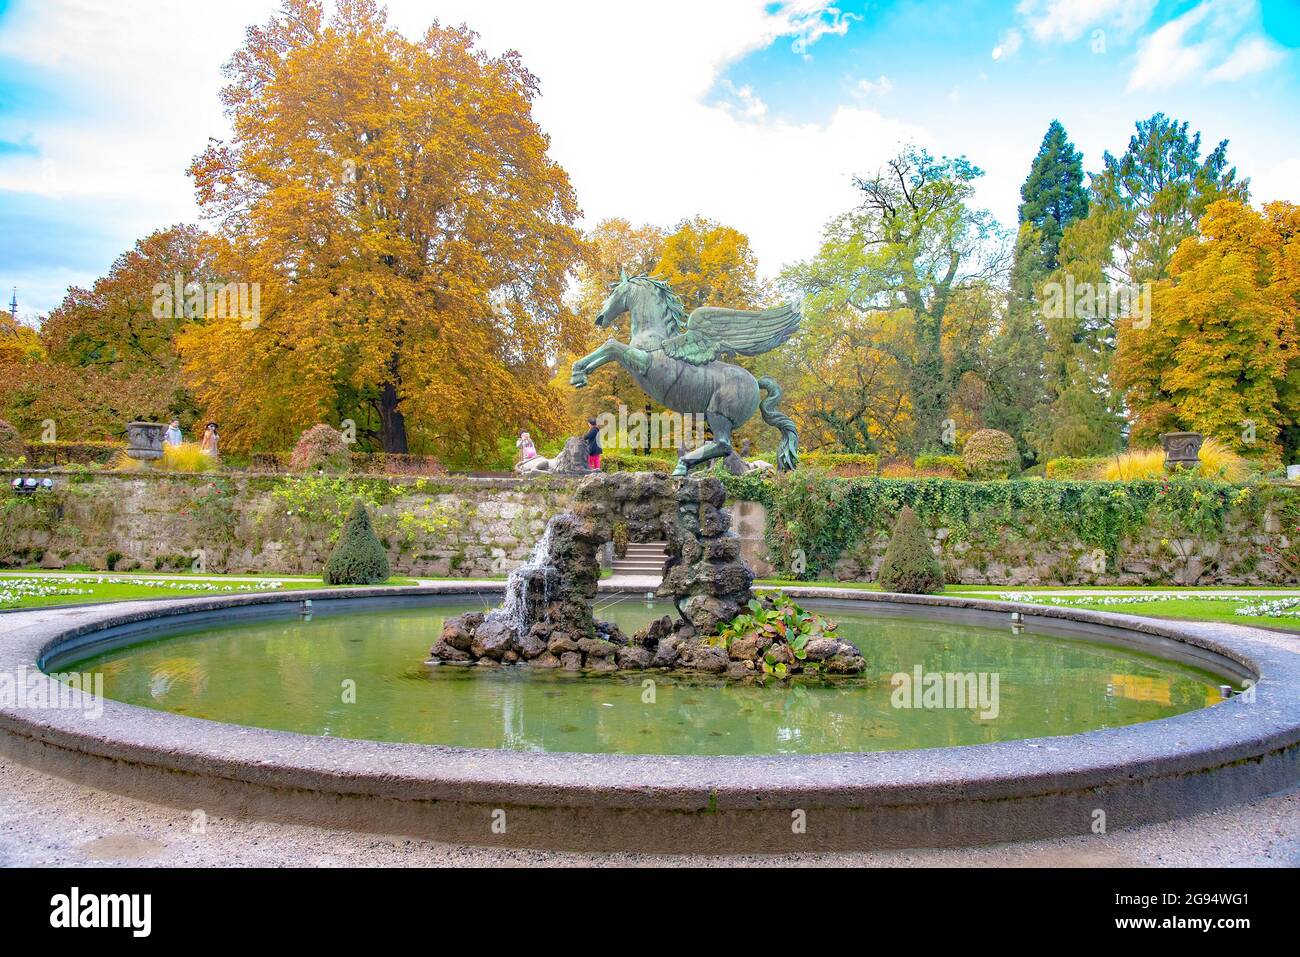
{"x":282,"y":672}
{"x":518,"y":758}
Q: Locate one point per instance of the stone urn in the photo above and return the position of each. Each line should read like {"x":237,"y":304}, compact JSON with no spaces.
{"x":1182,"y":448}
{"x":144,"y":440}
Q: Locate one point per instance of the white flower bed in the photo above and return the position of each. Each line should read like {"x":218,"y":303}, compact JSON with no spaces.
{"x":1272,"y":608}
{"x":14,"y":590}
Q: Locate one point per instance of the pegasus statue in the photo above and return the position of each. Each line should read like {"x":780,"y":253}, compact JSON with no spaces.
{"x":678,"y":362}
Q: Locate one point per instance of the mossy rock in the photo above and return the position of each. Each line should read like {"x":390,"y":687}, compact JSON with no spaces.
{"x":359,"y":558}
{"x":910,"y":565}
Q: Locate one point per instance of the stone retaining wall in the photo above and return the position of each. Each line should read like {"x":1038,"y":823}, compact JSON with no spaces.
{"x":467,"y":528}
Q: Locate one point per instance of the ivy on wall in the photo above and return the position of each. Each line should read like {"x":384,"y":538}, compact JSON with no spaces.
{"x":826,"y":516}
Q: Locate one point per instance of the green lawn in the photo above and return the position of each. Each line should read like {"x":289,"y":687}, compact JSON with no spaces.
{"x":1184,"y":607}
{"x":39,"y":591}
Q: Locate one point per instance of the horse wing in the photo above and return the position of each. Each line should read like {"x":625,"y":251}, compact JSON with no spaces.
{"x":742,"y":332}
{"x":692,"y":346}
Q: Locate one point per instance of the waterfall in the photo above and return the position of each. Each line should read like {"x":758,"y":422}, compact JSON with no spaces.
{"x":514,"y":609}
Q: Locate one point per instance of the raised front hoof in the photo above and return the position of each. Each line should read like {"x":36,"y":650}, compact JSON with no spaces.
{"x":682,"y":469}
{"x":577,"y":380}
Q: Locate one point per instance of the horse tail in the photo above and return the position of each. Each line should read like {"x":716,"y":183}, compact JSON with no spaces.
{"x":787,"y":455}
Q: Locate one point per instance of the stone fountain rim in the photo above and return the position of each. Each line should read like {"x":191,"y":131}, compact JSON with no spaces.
{"x":1228,"y":753}
{"x":1220,"y":735}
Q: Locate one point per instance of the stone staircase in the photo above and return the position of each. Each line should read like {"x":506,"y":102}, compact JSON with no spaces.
{"x":643,"y":560}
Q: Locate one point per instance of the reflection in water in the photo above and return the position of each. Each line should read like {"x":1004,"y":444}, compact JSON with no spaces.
{"x":291,"y":674}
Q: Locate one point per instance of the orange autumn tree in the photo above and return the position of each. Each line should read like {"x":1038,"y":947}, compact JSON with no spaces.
{"x":1221,"y":354}
{"x":394,"y":201}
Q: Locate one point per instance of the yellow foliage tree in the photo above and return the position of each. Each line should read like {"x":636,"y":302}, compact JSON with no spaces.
{"x":1221,"y":354}
{"x":410,"y":237}
{"x":709,"y":264}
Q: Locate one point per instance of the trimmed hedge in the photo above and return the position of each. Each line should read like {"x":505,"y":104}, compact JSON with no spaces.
{"x":627,"y":462}
{"x":44,"y":455}
{"x":1067,"y":467}
{"x":910,"y":565}
{"x":367,"y":463}
{"x":843,"y":464}
{"x":360,"y":557}
{"x":941,"y":466}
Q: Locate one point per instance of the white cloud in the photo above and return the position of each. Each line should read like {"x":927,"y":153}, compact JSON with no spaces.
{"x":1066,"y":20}
{"x":1165,"y":59}
{"x":1012,"y":40}
{"x":609,"y":74}
{"x":1251,"y":55}
{"x":1190,"y":46}
{"x":815,"y":20}
{"x":751,"y":104}
{"x":1279,"y":180}
{"x":868,"y":88}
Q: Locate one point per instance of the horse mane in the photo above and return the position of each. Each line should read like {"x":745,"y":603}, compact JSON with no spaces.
{"x":672,"y":303}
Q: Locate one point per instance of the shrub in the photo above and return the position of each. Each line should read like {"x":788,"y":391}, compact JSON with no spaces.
{"x":396,"y":463}
{"x":1067,"y":467}
{"x":897,"y":468}
{"x":268,"y":462}
{"x":844,"y":464}
{"x":910,"y":564}
{"x":321,"y":449}
{"x":48,"y":454}
{"x":12,"y":446}
{"x":627,"y":462}
{"x":186,"y":457}
{"x":1217,"y":462}
{"x":1220,"y":462}
{"x":360,"y":557}
{"x":990,"y":454}
{"x":941,"y":466}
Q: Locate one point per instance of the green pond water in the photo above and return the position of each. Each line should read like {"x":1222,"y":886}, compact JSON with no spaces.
{"x":296,"y":675}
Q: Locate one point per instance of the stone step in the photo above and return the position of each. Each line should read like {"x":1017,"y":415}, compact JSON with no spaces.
{"x":643,"y":560}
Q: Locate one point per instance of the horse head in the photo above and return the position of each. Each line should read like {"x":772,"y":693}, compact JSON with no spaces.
{"x":617,"y":303}
{"x":656,"y":310}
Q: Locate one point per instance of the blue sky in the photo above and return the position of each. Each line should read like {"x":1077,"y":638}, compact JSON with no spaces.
{"x":773,"y":106}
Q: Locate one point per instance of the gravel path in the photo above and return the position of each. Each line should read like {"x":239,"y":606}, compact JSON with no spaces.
{"x":46,"y":821}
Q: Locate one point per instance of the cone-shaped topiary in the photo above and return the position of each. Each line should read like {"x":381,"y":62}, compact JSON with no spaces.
{"x":360,"y":557}
{"x":910,"y":565}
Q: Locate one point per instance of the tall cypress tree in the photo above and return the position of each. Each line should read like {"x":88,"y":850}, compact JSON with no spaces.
{"x":1053,"y":196}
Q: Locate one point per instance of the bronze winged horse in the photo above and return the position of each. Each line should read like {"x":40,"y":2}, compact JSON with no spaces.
{"x":681,"y":368}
